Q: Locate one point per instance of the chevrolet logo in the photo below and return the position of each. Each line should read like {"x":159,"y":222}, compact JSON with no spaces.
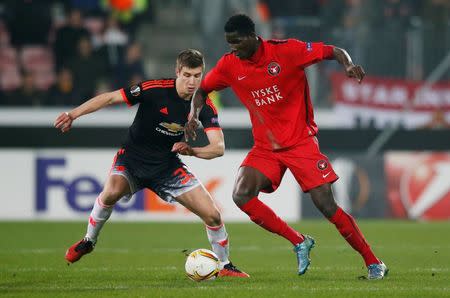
{"x":172,"y":127}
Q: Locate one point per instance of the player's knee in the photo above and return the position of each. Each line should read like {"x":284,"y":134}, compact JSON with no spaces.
{"x":213,"y":219}
{"x":111,"y":196}
{"x":241,"y":195}
{"x":323,"y":199}
{"x":329,"y":210}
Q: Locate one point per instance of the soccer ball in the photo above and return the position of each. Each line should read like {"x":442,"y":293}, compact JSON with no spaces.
{"x":202,"y":264}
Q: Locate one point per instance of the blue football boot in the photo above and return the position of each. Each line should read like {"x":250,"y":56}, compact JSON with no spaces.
{"x":302,"y":250}
{"x":377,"y":271}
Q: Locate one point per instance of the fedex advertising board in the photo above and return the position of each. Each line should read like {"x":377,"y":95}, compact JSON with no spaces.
{"x":63,"y":185}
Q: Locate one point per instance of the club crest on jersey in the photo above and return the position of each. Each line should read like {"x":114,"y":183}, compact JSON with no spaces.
{"x":322,"y":164}
{"x":135,"y":90}
{"x":273,"y":68}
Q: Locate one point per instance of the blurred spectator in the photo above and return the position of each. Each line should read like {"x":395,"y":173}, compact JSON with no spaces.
{"x":113,"y":34}
{"x":28,"y":21}
{"x":114,"y":43}
{"x":27,"y":94}
{"x":88,"y":6}
{"x":132,"y":67}
{"x":96,"y":28}
{"x":4,"y":34}
{"x":68,"y":37}
{"x":64,"y":91}
{"x":87,"y":68}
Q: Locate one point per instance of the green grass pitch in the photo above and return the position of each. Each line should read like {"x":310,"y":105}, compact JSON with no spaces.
{"x":146,"y":260}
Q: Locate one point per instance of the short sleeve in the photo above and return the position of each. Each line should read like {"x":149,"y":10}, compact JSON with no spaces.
{"x":306,"y":53}
{"x":209,"y":116}
{"x":216,"y":79}
{"x":138,"y":93}
{"x":133,"y":94}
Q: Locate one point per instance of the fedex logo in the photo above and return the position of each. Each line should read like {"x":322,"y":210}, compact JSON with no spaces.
{"x":74,"y":189}
{"x":79,"y":191}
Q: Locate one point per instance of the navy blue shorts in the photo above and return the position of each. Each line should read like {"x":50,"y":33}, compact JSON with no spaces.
{"x":175,"y":180}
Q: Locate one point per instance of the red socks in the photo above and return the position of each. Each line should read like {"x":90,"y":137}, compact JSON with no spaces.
{"x":262,"y":215}
{"x":348,"y":228}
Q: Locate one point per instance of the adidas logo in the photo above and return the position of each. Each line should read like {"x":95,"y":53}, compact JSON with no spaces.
{"x":164,"y":111}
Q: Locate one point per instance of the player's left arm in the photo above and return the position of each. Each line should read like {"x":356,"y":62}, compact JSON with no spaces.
{"x":352,"y":70}
{"x":215,"y":148}
{"x":304,"y":54}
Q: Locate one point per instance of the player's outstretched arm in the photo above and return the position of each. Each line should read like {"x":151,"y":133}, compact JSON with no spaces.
{"x":198,"y":101}
{"x":215,"y":148}
{"x":352,"y":70}
{"x":65,"y":119}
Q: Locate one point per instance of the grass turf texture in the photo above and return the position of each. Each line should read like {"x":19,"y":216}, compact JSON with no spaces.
{"x":146,"y":260}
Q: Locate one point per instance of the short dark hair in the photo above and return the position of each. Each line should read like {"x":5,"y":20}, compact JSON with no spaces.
{"x":240,"y":23}
{"x":190,"y":58}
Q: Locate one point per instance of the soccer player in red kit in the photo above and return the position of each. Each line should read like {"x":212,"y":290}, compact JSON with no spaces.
{"x":150,"y":159}
{"x":269,"y":79}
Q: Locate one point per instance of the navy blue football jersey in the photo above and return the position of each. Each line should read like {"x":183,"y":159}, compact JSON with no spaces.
{"x":160,"y":120}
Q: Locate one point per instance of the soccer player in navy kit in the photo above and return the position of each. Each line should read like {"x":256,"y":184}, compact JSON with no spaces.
{"x":269,"y":79}
{"x":149,"y":156}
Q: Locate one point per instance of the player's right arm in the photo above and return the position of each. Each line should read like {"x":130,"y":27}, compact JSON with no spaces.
{"x":65,"y":119}
{"x":198,"y":101}
{"x":216,"y":79}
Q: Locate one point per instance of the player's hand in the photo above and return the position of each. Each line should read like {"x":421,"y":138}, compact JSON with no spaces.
{"x":182,"y":148}
{"x":355,"y":71}
{"x":64,"y":122}
{"x":190,"y":129}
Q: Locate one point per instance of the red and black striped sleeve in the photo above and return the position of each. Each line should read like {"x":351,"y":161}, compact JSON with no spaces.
{"x":137,"y":93}
{"x":209,"y":116}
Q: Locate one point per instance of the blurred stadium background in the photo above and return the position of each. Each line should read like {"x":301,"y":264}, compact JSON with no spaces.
{"x":388,"y":139}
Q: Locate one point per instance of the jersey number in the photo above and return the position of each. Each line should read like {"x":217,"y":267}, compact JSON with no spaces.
{"x":183,"y":174}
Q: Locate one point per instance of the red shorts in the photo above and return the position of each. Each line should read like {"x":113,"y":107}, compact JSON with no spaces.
{"x":309,"y":166}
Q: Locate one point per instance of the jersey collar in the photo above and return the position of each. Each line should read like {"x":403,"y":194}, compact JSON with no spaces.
{"x":259,"y":54}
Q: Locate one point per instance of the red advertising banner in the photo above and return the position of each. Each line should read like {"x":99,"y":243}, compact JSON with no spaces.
{"x":392,"y":94}
{"x":418,"y":184}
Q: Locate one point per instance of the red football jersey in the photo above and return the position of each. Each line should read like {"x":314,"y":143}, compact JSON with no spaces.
{"x":272,"y":85}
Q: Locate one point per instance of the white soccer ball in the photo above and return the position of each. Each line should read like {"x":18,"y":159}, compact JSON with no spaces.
{"x":202,"y":264}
